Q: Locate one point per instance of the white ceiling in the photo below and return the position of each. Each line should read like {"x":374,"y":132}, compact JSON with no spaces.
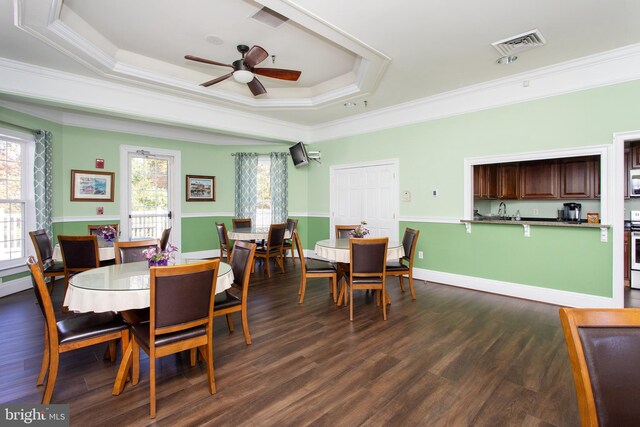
{"x":387,"y":53}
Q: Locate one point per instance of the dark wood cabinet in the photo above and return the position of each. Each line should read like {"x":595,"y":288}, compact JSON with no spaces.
{"x":539,"y":180}
{"x":485,"y":181}
{"x":508,"y":181}
{"x":627,"y":256}
{"x":595,"y":182}
{"x":634,"y":156}
{"x":576,"y":178}
{"x":627,"y":167}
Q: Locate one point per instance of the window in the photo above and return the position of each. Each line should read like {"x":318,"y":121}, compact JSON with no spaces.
{"x":263,"y":207}
{"x":17,"y":208}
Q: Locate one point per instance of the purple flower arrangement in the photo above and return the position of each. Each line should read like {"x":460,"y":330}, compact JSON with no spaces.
{"x":158,"y":257}
{"x":107,"y":232}
{"x":361,"y":230}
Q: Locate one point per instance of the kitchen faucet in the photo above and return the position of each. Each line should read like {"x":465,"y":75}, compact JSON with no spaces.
{"x":502,"y":210}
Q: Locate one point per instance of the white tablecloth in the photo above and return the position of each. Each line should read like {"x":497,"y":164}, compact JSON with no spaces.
{"x":121,"y":287}
{"x":338,"y":250}
{"x":105,"y":253}
{"x":253,"y":234}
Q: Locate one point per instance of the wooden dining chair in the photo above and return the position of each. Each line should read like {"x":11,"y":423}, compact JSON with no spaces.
{"x":223,"y":239}
{"x":344,"y":231}
{"x":164,"y":239}
{"x":405,"y":265}
{"x":287,"y":245}
{"x":133,"y":251}
{"x":79,"y":253}
{"x":182,"y":310}
{"x":44,"y":252}
{"x":315,"y":268}
{"x":234,"y":299}
{"x":72,"y":333}
{"x":241,"y":223}
{"x":367,"y":270}
{"x":94,"y":229}
{"x":603,"y":345}
{"x":273,"y":248}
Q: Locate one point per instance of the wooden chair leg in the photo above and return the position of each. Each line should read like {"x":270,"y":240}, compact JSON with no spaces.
{"x":210,"y":370}
{"x":192,"y":356}
{"x":152,"y":386}
{"x":45,"y":358}
{"x":123,"y":370}
{"x":351,"y":303}
{"x":267,"y":263}
{"x":400,"y":278}
{"x":384,"y":303}
{"x":54,"y":359}
{"x":245,"y":326}
{"x":303,"y":287}
{"x":334,"y":288}
{"x":230,"y":322}
{"x":413,"y":291}
{"x":112,"y":350}
{"x":135,"y":354}
{"x":280,"y":261}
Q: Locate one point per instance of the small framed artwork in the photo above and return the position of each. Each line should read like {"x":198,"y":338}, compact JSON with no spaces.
{"x":92,"y":186}
{"x":201,"y":188}
{"x":593,"y":218}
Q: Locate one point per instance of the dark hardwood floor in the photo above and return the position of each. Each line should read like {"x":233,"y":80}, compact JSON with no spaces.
{"x":454,"y":357}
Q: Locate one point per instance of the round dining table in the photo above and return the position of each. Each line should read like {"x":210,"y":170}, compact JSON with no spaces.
{"x":253,"y":233}
{"x":337,"y":250}
{"x":122,"y":287}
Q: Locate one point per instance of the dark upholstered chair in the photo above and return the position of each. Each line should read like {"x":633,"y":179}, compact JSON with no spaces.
{"x":273,"y":248}
{"x":181,"y":319}
{"x":241,"y":223}
{"x":235,"y":298}
{"x":79,"y":253}
{"x":132,"y":251}
{"x":223,"y":238}
{"x":367,"y":270}
{"x":405,"y":265}
{"x":314,"y":268}
{"x":164,"y":239}
{"x":292,"y":224}
{"x":603,"y":349}
{"x":44,"y":251}
{"x":344,"y":231}
{"x":93,"y":229}
{"x":72,"y":333}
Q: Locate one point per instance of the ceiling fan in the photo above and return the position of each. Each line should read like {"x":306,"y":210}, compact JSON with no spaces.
{"x":243,"y":69}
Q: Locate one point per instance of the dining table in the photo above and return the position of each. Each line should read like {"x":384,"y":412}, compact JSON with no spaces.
{"x":252,"y":233}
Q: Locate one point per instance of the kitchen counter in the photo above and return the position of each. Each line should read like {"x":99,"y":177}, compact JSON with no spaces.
{"x":529,"y":221}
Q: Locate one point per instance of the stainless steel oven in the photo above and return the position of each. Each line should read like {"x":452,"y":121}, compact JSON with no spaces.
{"x":634,"y":183}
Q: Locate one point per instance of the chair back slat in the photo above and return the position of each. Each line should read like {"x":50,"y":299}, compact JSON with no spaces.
{"x":94,"y":229}
{"x":296,"y":238}
{"x":291,"y":225}
{"x":164,"y":239}
{"x":79,"y":252}
{"x":344,"y":231}
{"x":133,"y":251}
{"x":43,"y":298}
{"x":241,"y":223}
{"x":368,"y":256}
{"x":42,"y":245}
{"x":276,"y":235}
{"x":241,"y":261}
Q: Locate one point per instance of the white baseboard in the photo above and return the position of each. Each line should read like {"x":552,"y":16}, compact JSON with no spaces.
{"x":551,"y":296}
{"x":15,"y":286}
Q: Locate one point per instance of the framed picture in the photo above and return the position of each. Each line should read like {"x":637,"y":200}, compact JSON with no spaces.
{"x":92,"y":186}
{"x":201,"y":188}
{"x":593,"y":218}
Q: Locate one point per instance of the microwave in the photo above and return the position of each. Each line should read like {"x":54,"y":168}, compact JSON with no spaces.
{"x":634,"y":183}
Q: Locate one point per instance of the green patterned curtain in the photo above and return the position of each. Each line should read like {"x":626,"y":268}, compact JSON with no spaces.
{"x":42,"y":180}
{"x":278,"y":184}
{"x":246,"y":185}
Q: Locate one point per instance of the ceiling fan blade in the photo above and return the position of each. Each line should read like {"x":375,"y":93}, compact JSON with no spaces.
{"x":278,"y":73}
{"x":255,"y":56}
{"x":206,"y":61}
{"x":218,"y":80}
{"x":256,"y":87}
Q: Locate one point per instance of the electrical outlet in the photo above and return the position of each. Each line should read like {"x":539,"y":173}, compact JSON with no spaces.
{"x":434,"y":193}
{"x":420,"y":254}
{"x":536,"y":212}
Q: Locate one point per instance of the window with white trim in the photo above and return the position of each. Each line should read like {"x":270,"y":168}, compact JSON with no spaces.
{"x":17,"y":206}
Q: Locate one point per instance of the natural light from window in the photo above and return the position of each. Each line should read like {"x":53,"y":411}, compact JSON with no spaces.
{"x":263,"y":207}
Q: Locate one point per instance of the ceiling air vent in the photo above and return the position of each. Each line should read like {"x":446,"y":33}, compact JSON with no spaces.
{"x":270,"y":17}
{"x":520,"y":43}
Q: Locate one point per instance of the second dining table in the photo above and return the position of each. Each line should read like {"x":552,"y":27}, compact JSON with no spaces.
{"x":337,"y":250}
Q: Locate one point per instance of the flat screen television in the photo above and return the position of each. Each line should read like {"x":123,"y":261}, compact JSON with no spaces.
{"x":299,"y":155}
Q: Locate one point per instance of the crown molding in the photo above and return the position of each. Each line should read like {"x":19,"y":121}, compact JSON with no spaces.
{"x":616,"y":66}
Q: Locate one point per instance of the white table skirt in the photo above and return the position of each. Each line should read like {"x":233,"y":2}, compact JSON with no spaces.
{"x":394,"y":253}
{"x":253,"y":235}
{"x":104,"y":254}
{"x":101,"y":300}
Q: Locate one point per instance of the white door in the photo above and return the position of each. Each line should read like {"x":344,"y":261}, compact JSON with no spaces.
{"x":367,"y":192}
{"x":149,"y":201}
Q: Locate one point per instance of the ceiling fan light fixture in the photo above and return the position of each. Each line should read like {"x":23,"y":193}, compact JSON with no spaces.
{"x":242,"y":76}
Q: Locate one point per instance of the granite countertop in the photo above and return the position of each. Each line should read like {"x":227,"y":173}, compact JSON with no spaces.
{"x":547,"y":222}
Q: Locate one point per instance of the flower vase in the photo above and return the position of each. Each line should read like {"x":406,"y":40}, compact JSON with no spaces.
{"x":158,"y":262}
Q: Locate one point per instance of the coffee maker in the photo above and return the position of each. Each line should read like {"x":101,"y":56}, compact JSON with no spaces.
{"x":572,"y":212}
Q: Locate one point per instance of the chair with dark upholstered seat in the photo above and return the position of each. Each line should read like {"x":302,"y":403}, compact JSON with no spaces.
{"x":72,"y":333}
{"x":367,"y":270}
{"x":133,"y":251}
{"x":241,"y":223}
{"x":405,"y":265}
{"x":164,"y":239}
{"x":79,"y":253}
{"x":604,"y":345}
{"x":94,"y":229}
{"x":44,"y":251}
{"x":287,"y":245}
{"x":235,"y":298}
{"x":181,"y":319}
{"x":344,"y":231}
{"x":223,"y":238}
{"x":273,"y":248}
{"x":315,"y":268}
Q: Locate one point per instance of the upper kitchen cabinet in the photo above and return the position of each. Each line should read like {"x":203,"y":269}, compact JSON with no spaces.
{"x":576,"y":178}
{"x":508,"y":181}
{"x":485,"y":181}
{"x":635,"y":155}
{"x":539,"y":180}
